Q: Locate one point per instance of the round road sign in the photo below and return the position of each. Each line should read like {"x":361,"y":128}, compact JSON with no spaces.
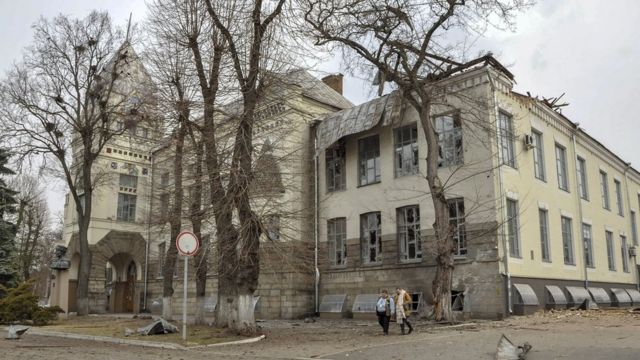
{"x":187,"y":243}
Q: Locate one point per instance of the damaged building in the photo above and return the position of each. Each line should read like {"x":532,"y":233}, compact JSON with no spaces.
{"x":543,"y":214}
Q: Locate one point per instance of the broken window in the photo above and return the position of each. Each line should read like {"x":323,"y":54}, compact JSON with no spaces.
{"x":406,"y":150}
{"x":408,"y":219}
{"x":369,"y":159}
{"x":507,"y":139}
{"x":370,"y":235}
{"x":449,"y":140}
{"x":456,"y":219}
{"x":337,"y":238}
{"x":335,"y":158}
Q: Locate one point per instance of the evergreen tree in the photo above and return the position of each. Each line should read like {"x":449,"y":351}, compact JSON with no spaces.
{"x":7,"y":229}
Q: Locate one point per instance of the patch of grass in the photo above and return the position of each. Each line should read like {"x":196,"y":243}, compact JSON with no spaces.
{"x":115,"y":327}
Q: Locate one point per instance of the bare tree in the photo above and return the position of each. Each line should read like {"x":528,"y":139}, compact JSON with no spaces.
{"x":414,"y":45}
{"x":62,"y":101}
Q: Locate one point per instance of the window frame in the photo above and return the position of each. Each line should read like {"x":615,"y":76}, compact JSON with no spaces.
{"x":364,"y":156}
{"x":583,"y":182}
{"x":561,"y":167}
{"x":507,"y":139}
{"x":619,"y":202}
{"x":568,"y":251}
{"x":611,"y":250}
{"x":539,"y":170}
{"x":513,"y":228}
{"x":545,"y":249}
{"x":587,"y":241}
{"x":446,"y":137}
{"x":365,"y":238}
{"x":403,"y":227}
{"x":337,"y":236}
{"x":625,"y":253}
{"x":459,"y":224}
{"x":336,"y":157}
{"x":399,"y":144}
{"x":604,"y":189}
{"x":126,"y":212}
{"x":634,"y":227}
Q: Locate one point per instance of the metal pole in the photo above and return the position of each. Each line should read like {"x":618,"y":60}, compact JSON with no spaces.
{"x":184,"y":300}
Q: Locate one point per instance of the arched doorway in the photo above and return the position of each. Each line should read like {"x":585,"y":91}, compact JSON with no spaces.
{"x":121,"y":277}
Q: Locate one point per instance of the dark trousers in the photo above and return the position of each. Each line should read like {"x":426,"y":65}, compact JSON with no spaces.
{"x":383,"y":320}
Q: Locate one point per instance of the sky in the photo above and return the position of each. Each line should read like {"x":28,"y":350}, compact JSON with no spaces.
{"x":586,"y":49}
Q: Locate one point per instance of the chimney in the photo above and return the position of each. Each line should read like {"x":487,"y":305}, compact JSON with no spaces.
{"x":334,"y":81}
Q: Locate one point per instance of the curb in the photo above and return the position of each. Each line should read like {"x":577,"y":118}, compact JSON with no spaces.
{"x":142,"y":343}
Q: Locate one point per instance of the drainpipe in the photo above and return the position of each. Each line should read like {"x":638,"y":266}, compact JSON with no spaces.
{"x":584,"y":246}
{"x":316,"y":204}
{"x":503,"y":215}
{"x":146,"y":250}
{"x":635,"y":243}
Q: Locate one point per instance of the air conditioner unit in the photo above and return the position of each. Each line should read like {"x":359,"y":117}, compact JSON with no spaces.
{"x":632,"y":251}
{"x":528,"y":142}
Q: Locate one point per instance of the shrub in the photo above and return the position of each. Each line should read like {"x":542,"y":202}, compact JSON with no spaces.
{"x":20,"y":305}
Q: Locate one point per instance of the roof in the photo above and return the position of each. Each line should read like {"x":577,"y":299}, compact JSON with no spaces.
{"x":317,"y":90}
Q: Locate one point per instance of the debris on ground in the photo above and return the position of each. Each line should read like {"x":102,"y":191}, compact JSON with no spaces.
{"x":160,"y":326}
{"x":588,"y":304}
{"x":15,"y":332}
{"x":508,"y":351}
{"x":309,"y":320}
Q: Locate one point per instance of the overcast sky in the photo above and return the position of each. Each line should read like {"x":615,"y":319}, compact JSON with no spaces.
{"x":587,"y":49}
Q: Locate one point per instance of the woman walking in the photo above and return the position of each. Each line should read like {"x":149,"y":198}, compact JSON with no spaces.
{"x":403,"y":309}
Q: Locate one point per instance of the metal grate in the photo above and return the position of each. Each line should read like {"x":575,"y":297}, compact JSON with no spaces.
{"x":600,"y":295}
{"x":555,"y":296}
{"x":577,"y":295}
{"x":525,"y":294}
{"x":620,"y":297}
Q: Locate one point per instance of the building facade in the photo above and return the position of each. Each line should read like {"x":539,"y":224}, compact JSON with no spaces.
{"x":542,"y":214}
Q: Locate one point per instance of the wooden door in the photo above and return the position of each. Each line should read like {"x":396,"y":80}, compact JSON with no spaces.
{"x":130,"y":288}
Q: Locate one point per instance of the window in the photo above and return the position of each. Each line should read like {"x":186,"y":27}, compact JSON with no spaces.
{"x":370,"y":235}
{"x":588,"y":245}
{"x":164,"y":179}
{"x":611,"y":258}
{"x":567,"y":241}
{"x":456,"y":219}
{"x":408,"y":219}
{"x":449,"y":140}
{"x":162,"y":249}
{"x":406,"y":150}
{"x":619,"y":205}
{"x":538,"y":156}
{"x":544,"y":235}
{"x":126,"y":207}
{"x":561,"y":167}
{"x":337,"y":238}
{"x":634,"y":228}
{"x":369,"y":153}
{"x":507,"y":139}
{"x":583,"y":187}
{"x":128,"y":183}
{"x":335,"y":165}
{"x":272,"y":227}
{"x":164,"y":206}
{"x":604,"y":187}
{"x":512,"y":228}
{"x":625,"y":253}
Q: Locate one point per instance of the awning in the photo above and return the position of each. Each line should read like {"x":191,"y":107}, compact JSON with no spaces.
{"x":357,"y":119}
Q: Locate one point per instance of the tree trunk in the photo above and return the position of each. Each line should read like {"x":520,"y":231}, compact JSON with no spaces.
{"x":176,"y":223}
{"x":441,"y":286}
{"x":84,"y":270}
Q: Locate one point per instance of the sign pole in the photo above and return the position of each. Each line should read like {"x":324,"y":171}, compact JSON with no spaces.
{"x":184,"y":300}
